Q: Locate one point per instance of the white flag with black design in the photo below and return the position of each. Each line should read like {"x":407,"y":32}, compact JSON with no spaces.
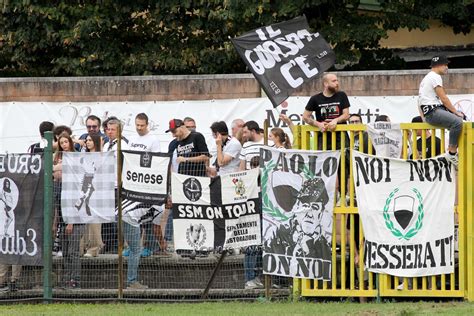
{"x":297,"y":205}
{"x":216,"y":213}
{"x":407,"y":212}
{"x":386,"y":138}
{"x":145,"y":176}
{"x":88,"y":194}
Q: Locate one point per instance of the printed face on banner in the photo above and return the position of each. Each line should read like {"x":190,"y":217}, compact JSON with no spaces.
{"x":297,"y":203}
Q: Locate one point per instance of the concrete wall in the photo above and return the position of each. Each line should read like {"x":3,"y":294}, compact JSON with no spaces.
{"x":204,"y":87}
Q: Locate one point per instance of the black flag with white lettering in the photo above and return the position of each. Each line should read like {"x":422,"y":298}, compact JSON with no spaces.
{"x":284,"y":55}
{"x":21,"y":209}
{"x":219,"y":213}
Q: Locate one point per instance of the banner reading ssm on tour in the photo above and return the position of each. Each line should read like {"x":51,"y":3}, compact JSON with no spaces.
{"x":283,"y":56}
{"x":216,"y":213}
{"x":21,"y":209}
{"x":297,"y":206}
{"x":407,"y":212}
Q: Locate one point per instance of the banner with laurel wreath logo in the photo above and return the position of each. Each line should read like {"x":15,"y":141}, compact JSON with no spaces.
{"x":297,"y":206}
{"x":407,"y":212}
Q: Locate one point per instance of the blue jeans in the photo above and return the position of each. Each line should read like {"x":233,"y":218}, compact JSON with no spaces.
{"x":131,"y":235}
{"x":252,"y":262}
{"x":446,"y":119}
{"x":149,"y":238}
{"x":169,"y":227}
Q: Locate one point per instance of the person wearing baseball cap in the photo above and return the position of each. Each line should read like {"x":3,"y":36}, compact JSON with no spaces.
{"x":191,"y":149}
{"x":437,"y":109}
{"x":174,"y":124}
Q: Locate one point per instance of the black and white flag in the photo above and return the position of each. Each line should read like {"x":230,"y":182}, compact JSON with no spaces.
{"x":297,"y":207}
{"x":21,"y":209}
{"x":283,"y":56}
{"x":216,"y":213}
{"x":145,"y":176}
{"x":88,"y":187}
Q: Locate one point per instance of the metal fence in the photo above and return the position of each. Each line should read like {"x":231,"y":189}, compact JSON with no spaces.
{"x":87,"y":262}
{"x":168,"y":275}
{"x":348,"y":276}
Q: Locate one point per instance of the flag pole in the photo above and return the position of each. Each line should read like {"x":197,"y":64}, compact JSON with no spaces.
{"x":119,"y":209}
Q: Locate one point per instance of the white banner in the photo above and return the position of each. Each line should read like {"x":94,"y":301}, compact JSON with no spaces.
{"x":218,"y":213}
{"x":145,"y":176}
{"x":407,"y":212}
{"x":20,"y":120}
{"x":297,"y":206}
{"x":386,"y":138}
{"x":88,"y":194}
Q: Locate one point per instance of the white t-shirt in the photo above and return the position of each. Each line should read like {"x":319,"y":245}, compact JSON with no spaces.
{"x":232,"y":148}
{"x":250,"y":149}
{"x":427,"y":94}
{"x":147,"y":142}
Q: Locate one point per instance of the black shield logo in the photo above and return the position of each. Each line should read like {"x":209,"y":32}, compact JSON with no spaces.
{"x":145,"y":160}
{"x":403,"y":210}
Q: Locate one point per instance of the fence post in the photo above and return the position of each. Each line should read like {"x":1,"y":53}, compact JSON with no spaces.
{"x":468,"y":215}
{"x":48,"y":220}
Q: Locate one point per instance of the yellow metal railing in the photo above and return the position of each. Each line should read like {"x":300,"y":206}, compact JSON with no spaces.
{"x":348,"y":276}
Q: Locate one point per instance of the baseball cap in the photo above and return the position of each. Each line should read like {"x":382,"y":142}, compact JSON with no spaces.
{"x":439,"y":60}
{"x":174,"y":124}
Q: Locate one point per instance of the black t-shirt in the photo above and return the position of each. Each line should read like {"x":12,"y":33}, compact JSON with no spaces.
{"x":428,"y":147}
{"x":192,"y":146}
{"x":326,"y":108}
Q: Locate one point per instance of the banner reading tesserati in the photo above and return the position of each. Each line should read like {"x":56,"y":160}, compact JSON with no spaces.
{"x":407,"y":212}
{"x":216,"y":213}
{"x":297,"y":206}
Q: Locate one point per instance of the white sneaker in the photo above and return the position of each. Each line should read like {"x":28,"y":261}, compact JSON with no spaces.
{"x":137,"y":286}
{"x":259,"y":282}
{"x":251,"y":285}
{"x":454,"y":159}
{"x":400,"y":287}
{"x":254,"y":284}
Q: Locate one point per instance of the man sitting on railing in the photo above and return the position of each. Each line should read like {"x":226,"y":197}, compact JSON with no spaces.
{"x":437,"y":109}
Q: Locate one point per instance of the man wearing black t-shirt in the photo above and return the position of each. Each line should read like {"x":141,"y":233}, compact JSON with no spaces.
{"x":191,"y":149}
{"x":429,"y":148}
{"x":331,"y":107}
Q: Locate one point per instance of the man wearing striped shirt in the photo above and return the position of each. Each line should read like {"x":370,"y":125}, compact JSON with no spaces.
{"x":251,"y":148}
{"x":249,"y":158}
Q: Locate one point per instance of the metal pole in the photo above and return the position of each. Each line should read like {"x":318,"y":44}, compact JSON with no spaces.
{"x":48,"y":219}
{"x":213,"y":276}
{"x":119,"y":206}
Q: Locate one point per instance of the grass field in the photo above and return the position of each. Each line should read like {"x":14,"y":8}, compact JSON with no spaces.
{"x":243,"y":308}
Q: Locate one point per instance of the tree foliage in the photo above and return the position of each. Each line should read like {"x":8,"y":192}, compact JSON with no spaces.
{"x":106,"y":37}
